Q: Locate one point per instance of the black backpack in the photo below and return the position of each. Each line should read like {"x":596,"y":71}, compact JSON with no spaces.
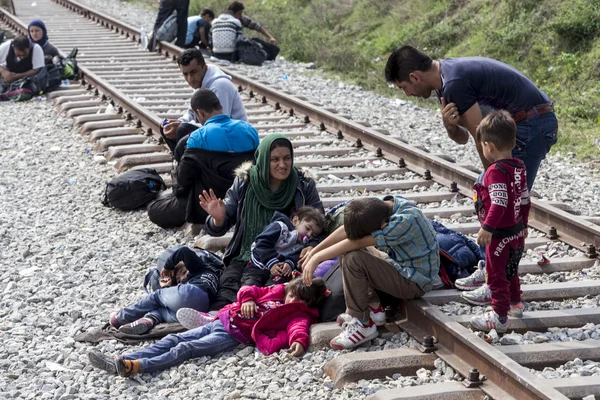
{"x":133,"y":189}
{"x":54,"y":78}
{"x":249,"y":52}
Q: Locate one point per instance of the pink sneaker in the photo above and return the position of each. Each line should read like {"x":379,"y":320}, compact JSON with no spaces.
{"x":112,"y":319}
{"x":138,"y":327}
{"x":190,"y":318}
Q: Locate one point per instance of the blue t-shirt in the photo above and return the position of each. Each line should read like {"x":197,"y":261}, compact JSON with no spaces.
{"x":221,"y":133}
{"x":470,"y":80}
{"x":193,"y":25}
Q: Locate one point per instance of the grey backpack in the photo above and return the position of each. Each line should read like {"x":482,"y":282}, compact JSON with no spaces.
{"x":168,"y":30}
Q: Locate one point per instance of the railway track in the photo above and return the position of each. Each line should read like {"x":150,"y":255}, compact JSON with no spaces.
{"x":350,"y":159}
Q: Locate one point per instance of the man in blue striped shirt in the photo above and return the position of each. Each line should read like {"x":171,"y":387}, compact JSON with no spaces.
{"x":386,"y":244}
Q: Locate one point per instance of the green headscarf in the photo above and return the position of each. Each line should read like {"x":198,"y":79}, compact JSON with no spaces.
{"x":260,"y":202}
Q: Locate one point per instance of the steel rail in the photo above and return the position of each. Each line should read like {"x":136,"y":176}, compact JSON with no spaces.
{"x":575,"y":231}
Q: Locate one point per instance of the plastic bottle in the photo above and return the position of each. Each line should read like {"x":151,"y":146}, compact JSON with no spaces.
{"x":143,"y":38}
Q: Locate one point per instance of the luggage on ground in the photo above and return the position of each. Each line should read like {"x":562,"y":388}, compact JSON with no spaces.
{"x":133,"y":189}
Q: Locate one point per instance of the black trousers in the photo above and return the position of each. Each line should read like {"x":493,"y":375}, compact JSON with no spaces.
{"x":236,"y":275}
{"x":166,"y":8}
{"x":167,"y":211}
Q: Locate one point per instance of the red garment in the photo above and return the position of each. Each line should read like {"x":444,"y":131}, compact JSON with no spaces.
{"x":502,"y":206}
{"x":275,"y":325}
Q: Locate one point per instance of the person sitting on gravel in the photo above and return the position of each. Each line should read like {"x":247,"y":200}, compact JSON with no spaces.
{"x":198,"y":29}
{"x":276,"y":251}
{"x":195,"y":290}
{"x":23,"y":59}
{"x":272,"y":318}
{"x":404,"y":261}
{"x":228,"y":27}
{"x":463,"y":85}
{"x":273,"y":184}
{"x":212,"y":154}
{"x":201,"y":76}
{"x":39,"y":35}
{"x":502,"y":206}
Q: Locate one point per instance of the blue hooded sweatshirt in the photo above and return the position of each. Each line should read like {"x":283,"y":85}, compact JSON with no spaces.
{"x":221,"y":133}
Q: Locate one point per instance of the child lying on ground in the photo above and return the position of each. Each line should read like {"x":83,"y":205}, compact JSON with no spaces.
{"x":276,"y":251}
{"x":385,"y":244}
{"x":273,"y":318}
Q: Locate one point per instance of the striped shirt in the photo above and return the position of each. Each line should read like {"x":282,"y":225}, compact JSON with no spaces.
{"x":410,"y":243}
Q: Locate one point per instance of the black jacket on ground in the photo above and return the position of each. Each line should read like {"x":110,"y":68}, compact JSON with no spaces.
{"x":306,"y":195}
{"x":201,"y":170}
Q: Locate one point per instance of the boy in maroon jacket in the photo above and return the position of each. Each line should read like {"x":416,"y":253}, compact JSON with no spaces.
{"x":502,"y":205}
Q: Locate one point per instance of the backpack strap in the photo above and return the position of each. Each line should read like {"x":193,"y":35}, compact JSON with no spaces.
{"x":105,"y":197}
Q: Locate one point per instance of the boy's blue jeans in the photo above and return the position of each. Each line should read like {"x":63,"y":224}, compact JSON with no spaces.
{"x":207,"y":340}
{"x":535,"y":137}
{"x":163,"y":304}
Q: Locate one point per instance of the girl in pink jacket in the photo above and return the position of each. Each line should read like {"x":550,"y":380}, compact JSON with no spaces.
{"x":272,"y":318}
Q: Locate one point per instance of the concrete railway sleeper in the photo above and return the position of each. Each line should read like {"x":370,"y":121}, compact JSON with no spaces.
{"x":350,"y":160}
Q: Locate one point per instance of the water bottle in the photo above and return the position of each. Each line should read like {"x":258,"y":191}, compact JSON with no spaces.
{"x":143,"y":38}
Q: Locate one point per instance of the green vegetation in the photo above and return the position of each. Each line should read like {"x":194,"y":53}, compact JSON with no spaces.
{"x":556,"y":43}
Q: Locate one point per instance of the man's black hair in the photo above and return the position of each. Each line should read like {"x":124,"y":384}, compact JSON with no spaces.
{"x":205,"y":100}
{"x":187,"y":56}
{"x":236,"y":6}
{"x":208,"y":12}
{"x":21,"y":42}
{"x":403,"y":61}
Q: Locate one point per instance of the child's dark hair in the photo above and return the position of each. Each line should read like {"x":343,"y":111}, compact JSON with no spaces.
{"x":311,"y":295}
{"x":309,"y":213}
{"x":208,"y":12}
{"x":499,"y":128}
{"x":364,"y":216}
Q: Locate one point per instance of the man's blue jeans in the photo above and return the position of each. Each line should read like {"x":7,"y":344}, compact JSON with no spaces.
{"x":535,"y":137}
{"x":163,"y":304}
{"x":207,"y":340}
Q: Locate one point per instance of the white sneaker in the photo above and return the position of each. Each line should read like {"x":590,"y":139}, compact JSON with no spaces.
{"x":479,"y":297}
{"x":354,"y":333}
{"x":488,"y":321}
{"x":473,"y":281}
{"x":377,"y":316}
{"x":516,"y":310}
{"x":190,"y":318}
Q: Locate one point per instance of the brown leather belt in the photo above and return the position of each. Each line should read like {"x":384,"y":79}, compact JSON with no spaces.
{"x":534,"y":112}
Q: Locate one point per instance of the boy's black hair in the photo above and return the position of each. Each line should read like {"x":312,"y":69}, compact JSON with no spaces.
{"x":403,"y":61}
{"x":499,"y":128}
{"x":187,"y":56}
{"x":312,"y":295}
{"x":309,"y":213}
{"x":207,"y":11}
{"x":236,"y":6}
{"x":364,"y":216}
{"x":21,"y":42}
{"x":205,"y":100}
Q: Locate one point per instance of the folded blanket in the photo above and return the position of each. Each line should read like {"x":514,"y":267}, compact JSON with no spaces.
{"x":108,"y":332}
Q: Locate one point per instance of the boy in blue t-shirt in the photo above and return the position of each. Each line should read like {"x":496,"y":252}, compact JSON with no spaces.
{"x":385,"y":244}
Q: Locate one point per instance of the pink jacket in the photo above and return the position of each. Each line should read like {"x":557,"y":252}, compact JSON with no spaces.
{"x":275,"y":325}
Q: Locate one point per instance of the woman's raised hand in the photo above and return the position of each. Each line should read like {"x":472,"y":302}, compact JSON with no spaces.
{"x":214,"y":206}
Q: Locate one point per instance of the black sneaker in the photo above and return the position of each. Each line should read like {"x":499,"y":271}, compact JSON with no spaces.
{"x":101,"y":361}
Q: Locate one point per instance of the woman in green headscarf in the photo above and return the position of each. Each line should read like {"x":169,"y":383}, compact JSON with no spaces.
{"x":273,"y":184}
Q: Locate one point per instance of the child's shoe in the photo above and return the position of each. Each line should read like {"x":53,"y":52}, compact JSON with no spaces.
{"x":473,"y":281}
{"x":127,"y":368}
{"x":190,"y":318}
{"x":377,"y":316}
{"x":103,"y":362}
{"x":488,"y":321}
{"x":516,"y":310}
{"x":479,"y":297}
{"x":354,"y":333}
{"x":138,"y":327}
{"x":112,"y":319}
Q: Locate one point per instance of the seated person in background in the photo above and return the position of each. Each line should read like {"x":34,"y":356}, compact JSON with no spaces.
{"x":201,"y":76}
{"x":228,"y":27}
{"x":272,"y":318}
{"x":198,"y":29}
{"x":387,"y":245}
{"x":39,"y":35}
{"x":212,"y":154}
{"x":196,"y":289}
{"x":276,"y":251}
{"x":22,"y":58}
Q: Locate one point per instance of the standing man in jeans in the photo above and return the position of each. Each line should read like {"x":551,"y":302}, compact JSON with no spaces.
{"x":166,"y":8}
{"x":464,"y":84}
